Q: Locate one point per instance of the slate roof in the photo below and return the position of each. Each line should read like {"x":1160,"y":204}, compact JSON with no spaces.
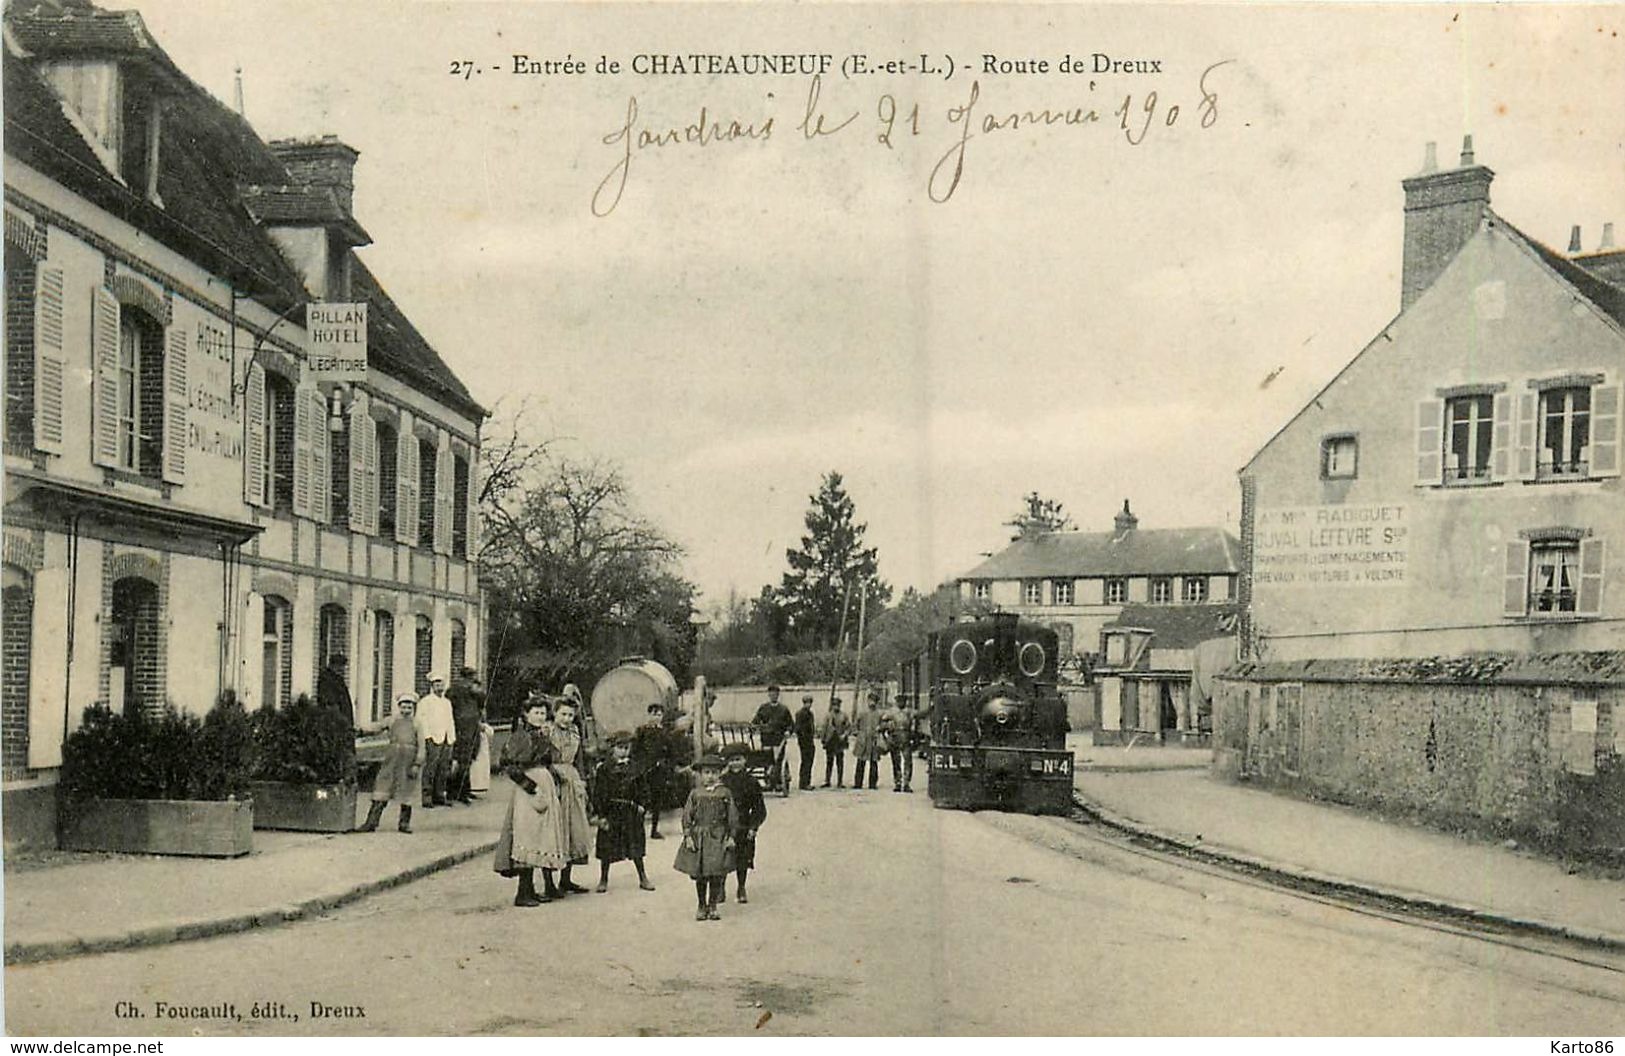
{"x":1609,"y":298}
{"x":78,"y":29}
{"x":1179,"y":626}
{"x":395,"y":346}
{"x":209,"y":160}
{"x":1137,"y":552}
{"x":207,"y":150}
{"x":317,"y":206}
{"x":1606,"y":667}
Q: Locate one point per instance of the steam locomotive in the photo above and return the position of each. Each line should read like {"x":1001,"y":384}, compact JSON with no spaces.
{"x":998,"y":723}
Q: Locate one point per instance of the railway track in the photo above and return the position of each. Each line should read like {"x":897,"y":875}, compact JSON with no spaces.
{"x":1585,"y":951}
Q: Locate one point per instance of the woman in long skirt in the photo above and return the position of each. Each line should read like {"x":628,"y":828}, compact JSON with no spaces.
{"x":479,"y":771}
{"x":566,"y":740}
{"x":532,"y":830}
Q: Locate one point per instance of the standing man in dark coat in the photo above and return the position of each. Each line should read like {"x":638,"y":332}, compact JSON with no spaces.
{"x":333,"y":689}
{"x":806,"y":734}
{"x":467,"y":710}
{"x":773,"y":722}
{"x":752,"y":812}
{"x":651,"y":760}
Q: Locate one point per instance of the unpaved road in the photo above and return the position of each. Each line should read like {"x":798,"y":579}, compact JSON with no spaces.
{"x":872,"y":914}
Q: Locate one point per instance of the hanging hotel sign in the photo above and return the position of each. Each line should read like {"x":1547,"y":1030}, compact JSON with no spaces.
{"x":1331,"y":546}
{"x":337,"y":338}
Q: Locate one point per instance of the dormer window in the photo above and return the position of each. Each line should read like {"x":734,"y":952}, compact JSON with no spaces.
{"x":119,"y":112}
{"x":92,"y":91}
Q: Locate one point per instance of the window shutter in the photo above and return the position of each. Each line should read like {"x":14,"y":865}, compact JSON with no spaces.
{"x":406,"y":484}
{"x":358,"y":463}
{"x":175,"y":400}
{"x":473,"y":507}
{"x":104,"y":381}
{"x":1501,"y":438}
{"x":1591,"y":569}
{"x":254,"y":436}
{"x":1605,"y":452}
{"x":1429,"y":442}
{"x":1528,"y":419}
{"x":321,"y":475}
{"x":369,"y":432}
{"x":301,"y":451}
{"x":48,"y":362}
{"x":1516,"y":600}
{"x":48,"y":661}
{"x":442,"y":496}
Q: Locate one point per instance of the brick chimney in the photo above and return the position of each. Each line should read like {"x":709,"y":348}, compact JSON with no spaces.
{"x":320,"y":161}
{"x":1125,"y":521}
{"x":1442,"y":211}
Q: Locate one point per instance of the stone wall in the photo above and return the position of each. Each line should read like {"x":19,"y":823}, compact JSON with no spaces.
{"x":1515,"y":758}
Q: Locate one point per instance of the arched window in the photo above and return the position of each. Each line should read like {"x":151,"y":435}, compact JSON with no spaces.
{"x":134,"y":678}
{"x":426,"y":493}
{"x":16,"y":651}
{"x":388,"y":450}
{"x":423,"y":655}
{"x":383,"y":664}
{"x":459,"y":506}
{"x":459,"y":647}
{"x":279,"y":410}
{"x":277,"y":638}
{"x":140,"y":420}
{"x":338,"y":470}
{"x":332,"y":634}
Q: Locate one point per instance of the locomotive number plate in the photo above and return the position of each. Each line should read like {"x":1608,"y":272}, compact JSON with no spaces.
{"x":1059,"y":767}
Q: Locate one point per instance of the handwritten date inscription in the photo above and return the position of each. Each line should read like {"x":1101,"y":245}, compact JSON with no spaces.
{"x":976,"y":117}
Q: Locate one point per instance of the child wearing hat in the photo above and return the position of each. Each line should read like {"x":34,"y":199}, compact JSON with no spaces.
{"x":752,"y":808}
{"x":709,"y":822}
{"x":400,"y":777}
{"x":616,"y":812}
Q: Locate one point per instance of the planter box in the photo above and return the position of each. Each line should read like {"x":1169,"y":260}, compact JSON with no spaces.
{"x":161,"y":826}
{"x":303,"y":808}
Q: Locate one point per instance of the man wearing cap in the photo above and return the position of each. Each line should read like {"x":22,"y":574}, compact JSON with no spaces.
{"x":467,"y":709}
{"x":835,"y":730}
{"x":897,"y":724}
{"x":332,"y":688}
{"x":867,"y":742}
{"x":651,"y":760}
{"x":439,"y":735}
{"x":773,"y":722}
{"x":806,"y":734}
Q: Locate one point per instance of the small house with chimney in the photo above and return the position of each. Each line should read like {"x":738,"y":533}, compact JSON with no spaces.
{"x":1433,"y":548}
{"x":1077,"y":582}
{"x":192,"y":506}
{"x":1154,"y":675}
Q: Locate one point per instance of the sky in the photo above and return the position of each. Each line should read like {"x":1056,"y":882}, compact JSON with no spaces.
{"x":1085,"y":316}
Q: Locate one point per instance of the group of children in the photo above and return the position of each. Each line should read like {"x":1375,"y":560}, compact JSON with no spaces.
{"x":720,"y":821}
{"x":545,"y":827}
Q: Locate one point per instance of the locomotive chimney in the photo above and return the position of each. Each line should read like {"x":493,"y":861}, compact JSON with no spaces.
{"x":1125,"y":521}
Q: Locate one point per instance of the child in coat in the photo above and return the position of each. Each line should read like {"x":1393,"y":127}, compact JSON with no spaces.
{"x":707,"y":853}
{"x":617,"y":813}
{"x":747,"y":793}
{"x":400,"y":776}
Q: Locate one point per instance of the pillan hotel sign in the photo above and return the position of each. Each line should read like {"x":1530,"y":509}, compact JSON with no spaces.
{"x":337,"y":333}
